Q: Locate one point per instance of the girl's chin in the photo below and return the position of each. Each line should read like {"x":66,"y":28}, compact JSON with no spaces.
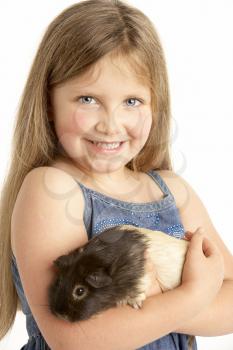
{"x":103,"y":166}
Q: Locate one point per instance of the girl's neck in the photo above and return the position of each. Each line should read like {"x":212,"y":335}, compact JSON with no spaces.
{"x":125,"y":178}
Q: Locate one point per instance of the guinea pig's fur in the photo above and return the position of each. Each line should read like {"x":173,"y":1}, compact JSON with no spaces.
{"x":109,"y":270}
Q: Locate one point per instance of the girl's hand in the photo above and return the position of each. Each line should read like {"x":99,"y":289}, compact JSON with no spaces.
{"x":154,"y":287}
{"x":203,"y":270}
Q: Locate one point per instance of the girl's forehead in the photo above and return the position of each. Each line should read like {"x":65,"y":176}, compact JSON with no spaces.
{"x":108,"y":71}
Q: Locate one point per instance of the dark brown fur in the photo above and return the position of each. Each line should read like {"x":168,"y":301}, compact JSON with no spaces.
{"x":107,"y":267}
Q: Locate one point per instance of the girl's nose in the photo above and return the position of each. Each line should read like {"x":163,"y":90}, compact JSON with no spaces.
{"x":107,"y":123}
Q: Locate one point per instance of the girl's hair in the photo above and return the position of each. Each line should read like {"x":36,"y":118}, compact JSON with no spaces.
{"x":74,"y":41}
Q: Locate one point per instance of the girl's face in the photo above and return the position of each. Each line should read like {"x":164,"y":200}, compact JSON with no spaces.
{"x":108,"y":105}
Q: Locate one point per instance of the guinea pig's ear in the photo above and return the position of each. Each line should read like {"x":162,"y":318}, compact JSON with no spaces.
{"x":111,"y":235}
{"x":98,"y":279}
{"x":61,"y":262}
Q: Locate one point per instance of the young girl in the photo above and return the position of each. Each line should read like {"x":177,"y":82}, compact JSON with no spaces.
{"x":91,"y":151}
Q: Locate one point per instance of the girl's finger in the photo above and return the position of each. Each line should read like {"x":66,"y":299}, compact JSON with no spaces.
{"x":196,"y":242}
{"x":188,"y":235}
{"x":209,"y":247}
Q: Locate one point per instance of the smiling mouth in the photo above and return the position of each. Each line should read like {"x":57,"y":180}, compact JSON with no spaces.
{"x":106,"y":147}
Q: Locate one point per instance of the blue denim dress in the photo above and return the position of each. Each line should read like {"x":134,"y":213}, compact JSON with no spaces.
{"x":102,"y":212}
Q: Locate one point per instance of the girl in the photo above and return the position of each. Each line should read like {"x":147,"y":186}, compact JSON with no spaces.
{"x":91,"y":151}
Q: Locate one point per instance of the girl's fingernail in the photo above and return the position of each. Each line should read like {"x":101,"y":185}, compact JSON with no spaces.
{"x":188,"y":233}
{"x":187,"y":236}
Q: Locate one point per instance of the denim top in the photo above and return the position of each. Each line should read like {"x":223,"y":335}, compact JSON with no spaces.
{"x":102,"y":212}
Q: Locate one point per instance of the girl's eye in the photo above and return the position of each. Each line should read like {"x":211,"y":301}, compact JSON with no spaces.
{"x":86,"y":97}
{"x":133,"y":99}
{"x":87,"y":100}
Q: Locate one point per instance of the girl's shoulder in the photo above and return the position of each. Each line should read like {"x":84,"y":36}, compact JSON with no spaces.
{"x":46,"y":190}
{"x":52,"y":181}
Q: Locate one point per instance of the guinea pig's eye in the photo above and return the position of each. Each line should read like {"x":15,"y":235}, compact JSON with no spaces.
{"x":79,"y":292}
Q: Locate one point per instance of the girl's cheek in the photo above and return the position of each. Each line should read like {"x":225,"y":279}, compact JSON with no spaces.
{"x":81,"y":122}
{"x":140,"y":126}
{"x":69,"y":127}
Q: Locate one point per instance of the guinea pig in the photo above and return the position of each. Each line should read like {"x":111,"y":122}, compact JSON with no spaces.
{"x":109,"y":270}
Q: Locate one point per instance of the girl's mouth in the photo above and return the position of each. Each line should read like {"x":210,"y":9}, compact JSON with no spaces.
{"x":106,"y":148}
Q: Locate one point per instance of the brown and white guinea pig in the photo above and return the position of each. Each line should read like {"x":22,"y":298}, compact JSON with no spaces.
{"x":109,"y":270}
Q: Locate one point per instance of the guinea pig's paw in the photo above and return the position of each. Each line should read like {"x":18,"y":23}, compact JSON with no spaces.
{"x":136,"y":303}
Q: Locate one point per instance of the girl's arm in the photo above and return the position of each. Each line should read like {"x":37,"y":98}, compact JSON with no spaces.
{"x":217,"y":318}
{"x":47,"y":221}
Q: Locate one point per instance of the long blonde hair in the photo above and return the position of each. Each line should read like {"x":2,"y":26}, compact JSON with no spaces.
{"x":73,"y":42}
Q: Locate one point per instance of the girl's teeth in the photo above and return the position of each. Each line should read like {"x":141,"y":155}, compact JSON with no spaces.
{"x":107,"y":145}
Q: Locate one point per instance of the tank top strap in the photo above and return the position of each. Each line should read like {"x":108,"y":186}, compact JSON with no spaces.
{"x":160,"y":182}
{"x":87,"y":207}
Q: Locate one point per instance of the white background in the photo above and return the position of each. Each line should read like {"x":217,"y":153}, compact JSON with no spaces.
{"x":197,"y":40}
